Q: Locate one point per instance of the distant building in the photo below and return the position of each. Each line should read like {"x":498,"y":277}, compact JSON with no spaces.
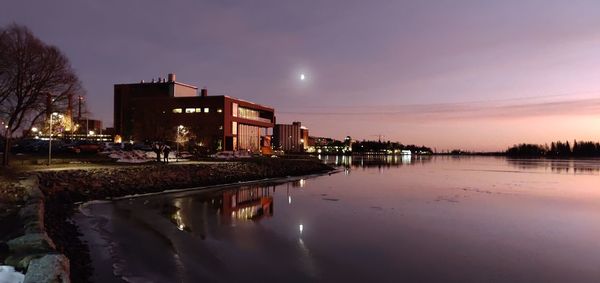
{"x":109,"y":131}
{"x":348,"y":144}
{"x":167,"y":110}
{"x":327,"y":145}
{"x":87,"y":126}
{"x":288,"y":137}
{"x":304,"y":137}
{"x":319,"y":141}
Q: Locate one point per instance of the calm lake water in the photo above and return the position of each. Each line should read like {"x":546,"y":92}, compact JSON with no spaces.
{"x":440,"y":219}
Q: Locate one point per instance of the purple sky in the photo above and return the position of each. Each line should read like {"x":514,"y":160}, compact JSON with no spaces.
{"x":479,"y":75}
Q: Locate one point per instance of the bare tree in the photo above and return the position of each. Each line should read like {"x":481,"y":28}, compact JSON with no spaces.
{"x":30,"y":73}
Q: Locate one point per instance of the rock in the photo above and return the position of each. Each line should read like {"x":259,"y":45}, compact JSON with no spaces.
{"x":31,"y":186}
{"x":32,"y":211}
{"x":34,"y":227}
{"x":35,"y":242}
{"x":21,"y":261}
{"x":52,"y":268}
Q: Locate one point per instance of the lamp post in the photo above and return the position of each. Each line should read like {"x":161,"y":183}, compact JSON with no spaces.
{"x":177,"y":140}
{"x":5,"y":137}
{"x":5,"y":131}
{"x":50,"y":137}
{"x":5,"y":149}
{"x":50,"y":140}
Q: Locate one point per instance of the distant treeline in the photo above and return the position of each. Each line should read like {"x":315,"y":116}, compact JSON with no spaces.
{"x":557,"y":149}
{"x":383,"y":146}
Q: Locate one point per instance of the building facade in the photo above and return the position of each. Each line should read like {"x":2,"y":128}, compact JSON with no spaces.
{"x":304,"y":138}
{"x":167,"y":110}
{"x":288,"y":137}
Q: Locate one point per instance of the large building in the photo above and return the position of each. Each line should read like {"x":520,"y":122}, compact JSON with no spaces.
{"x":167,"y":110}
{"x":304,"y":137}
{"x":290,"y":137}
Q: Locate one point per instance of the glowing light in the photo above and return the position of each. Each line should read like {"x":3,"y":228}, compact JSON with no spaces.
{"x":301,"y":227}
{"x":34,"y":129}
{"x":302,"y":77}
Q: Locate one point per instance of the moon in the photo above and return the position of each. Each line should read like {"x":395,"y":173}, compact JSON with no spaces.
{"x":302,"y":77}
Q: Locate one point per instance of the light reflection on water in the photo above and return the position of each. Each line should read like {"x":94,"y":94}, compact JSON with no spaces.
{"x":573,"y":166}
{"x":429,"y":219}
{"x":381,"y":162}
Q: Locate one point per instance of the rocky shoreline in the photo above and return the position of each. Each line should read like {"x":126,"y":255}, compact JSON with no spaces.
{"x":54,"y":195}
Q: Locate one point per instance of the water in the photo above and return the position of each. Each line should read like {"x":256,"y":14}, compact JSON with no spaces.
{"x":443,"y":219}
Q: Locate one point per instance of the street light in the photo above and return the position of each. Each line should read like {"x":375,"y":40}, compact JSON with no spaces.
{"x":177,"y":140}
{"x":5,"y":135}
{"x":50,"y":139}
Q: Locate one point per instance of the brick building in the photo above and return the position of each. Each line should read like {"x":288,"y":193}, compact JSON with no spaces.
{"x":155,"y":111}
{"x":289,"y":137}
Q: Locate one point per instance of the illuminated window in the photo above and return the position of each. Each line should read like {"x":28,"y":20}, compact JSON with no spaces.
{"x":221,"y":127}
{"x":219,"y":110}
{"x":206,"y":109}
{"x":190,"y":110}
{"x":198,"y":110}
{"x":234,"y":128}
{"x":177,"y":110}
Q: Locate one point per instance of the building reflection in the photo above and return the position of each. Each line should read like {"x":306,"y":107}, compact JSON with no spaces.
{"x":373,"y":161}
{"x":251,"y":203}
{"x":191,"y":214}
{"x":298,"y":183}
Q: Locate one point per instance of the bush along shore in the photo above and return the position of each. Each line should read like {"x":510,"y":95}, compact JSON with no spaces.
{"x":50,"y":249}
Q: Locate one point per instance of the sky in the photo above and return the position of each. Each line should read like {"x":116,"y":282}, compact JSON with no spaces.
{"x":474,"y":75}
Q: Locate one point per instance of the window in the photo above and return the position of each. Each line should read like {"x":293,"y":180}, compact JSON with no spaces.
{"x":206,"y":109}
{"x":234,"y":111}
{"x":198,"y":110}
{"x":219,"y":110}
{"x":221,"y":127}
{"x":248,"y":113}
{"x":190,"y":110}
{"x":234,"y":128}
{"x":177,"y":110}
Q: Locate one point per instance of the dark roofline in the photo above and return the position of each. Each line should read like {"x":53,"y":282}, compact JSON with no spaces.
{"x":154,"y":83}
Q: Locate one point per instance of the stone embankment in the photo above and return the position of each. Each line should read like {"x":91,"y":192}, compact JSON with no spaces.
{"x":93,"y":184}
{"x":34,"y":251}
{"x":50,"y":240}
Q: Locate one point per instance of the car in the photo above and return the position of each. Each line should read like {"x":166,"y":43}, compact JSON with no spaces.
{"x":84,"y":147}
{"x":224,"y":155}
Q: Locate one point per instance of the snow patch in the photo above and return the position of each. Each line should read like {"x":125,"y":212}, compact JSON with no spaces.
{"x":9,"y":275}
